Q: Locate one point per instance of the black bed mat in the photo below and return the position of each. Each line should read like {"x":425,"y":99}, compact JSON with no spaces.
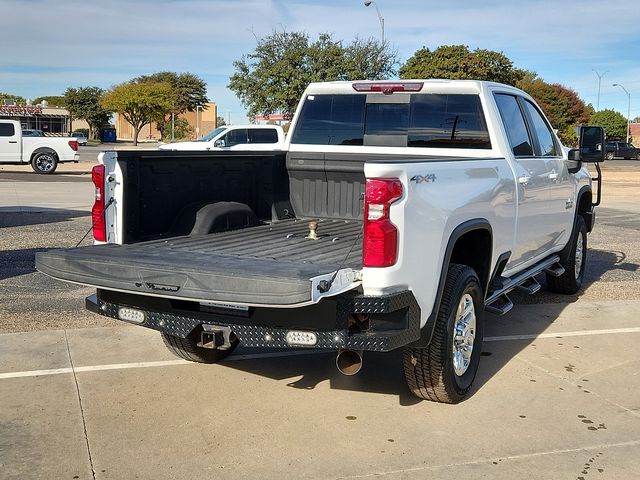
{"x":269,"y":264}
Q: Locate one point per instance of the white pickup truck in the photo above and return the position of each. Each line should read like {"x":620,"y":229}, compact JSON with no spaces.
{"x":397,"y":215}
{"x":42,"y":153}
{"x":235,"y":137}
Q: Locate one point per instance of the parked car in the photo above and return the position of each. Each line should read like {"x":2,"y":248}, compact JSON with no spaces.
{"x":43,"y":153}
{"x":80,"y":136}
{"x":235,"y":137}
{"x":395,"y":215}
{"x":26,"y":132}
{"x":622,"y":150}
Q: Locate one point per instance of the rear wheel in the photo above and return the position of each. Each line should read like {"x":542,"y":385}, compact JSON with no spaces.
{"x":188,"y":349}
{"x":638,"y":156}
{"x":445,"y":369}
{"x":44,"y":162}
{"x":609,"y":156}
{"x":574,"y":259}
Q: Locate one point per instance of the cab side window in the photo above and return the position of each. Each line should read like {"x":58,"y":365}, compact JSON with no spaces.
{"x":515,"y":125}
{"x":263,"y":135}
{"x":546,"y":145}
{"x":235,"y":137}
{"x":7,"y":130}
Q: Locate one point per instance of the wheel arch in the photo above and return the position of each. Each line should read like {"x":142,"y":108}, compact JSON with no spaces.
{"x":584,"y":206}
{"x":470,"y":243}
{"x":43,"y":150}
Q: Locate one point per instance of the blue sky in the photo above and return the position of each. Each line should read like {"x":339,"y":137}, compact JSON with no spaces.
{"x":48,"y":45}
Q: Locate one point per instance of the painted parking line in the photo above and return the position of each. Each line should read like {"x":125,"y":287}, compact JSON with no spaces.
{"x":256,"y":356}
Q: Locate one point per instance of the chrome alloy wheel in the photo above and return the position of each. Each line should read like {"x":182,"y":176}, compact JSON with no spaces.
{"x":44,"y":163}
{"x":464,"y":334}
{"x":579,"y":255}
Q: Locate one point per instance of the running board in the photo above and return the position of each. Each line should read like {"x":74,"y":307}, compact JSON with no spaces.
{"x":499,"y":303}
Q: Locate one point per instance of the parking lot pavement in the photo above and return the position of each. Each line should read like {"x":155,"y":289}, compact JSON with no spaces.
{"x":556,"y":395}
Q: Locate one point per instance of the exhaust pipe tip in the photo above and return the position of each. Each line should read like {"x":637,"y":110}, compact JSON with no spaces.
{"x":349,"y":362}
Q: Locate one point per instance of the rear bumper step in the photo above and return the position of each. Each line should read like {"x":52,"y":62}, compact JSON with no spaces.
{"x":392,"y":321}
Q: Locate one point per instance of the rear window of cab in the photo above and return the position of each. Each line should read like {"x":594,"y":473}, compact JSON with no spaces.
{"x":417,"y":120}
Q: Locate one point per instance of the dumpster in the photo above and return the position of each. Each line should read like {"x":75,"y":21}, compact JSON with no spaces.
{"x":108,"y":135}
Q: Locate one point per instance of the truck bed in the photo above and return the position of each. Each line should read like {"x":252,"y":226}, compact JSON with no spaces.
{"x":271,"y":264}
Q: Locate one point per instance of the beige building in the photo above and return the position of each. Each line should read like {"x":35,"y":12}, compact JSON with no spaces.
{"x":202,"y":122}
{"x":54,"y":121}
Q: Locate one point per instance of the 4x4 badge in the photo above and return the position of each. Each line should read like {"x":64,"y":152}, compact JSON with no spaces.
{"x":428,"y":178}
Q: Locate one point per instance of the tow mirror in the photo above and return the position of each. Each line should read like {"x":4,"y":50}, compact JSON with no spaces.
{"x":592,"y":144}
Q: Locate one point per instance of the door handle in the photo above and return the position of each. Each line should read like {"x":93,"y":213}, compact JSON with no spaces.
{"x":553,"y":176}
{"x":523,"y":180}
{"x":13,"y":141}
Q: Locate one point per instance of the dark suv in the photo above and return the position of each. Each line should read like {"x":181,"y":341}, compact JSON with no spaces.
{"x":622,"y":149}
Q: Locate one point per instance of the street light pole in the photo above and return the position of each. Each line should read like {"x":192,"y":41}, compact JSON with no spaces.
{"x":600,"y":75}
{"x":370,"y":2}
{"x":198,"y":107}
{"x":628,"y":108}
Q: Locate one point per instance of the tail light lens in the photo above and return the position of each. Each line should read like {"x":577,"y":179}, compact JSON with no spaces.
{"x":380,"y":248}
{"x":74,"y":145}
{"x":97,"y":212}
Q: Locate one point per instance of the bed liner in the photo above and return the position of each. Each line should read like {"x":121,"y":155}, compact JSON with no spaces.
{"x":271,"y":264}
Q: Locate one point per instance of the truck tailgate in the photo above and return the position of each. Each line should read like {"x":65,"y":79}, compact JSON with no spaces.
{"x":271,"y":264}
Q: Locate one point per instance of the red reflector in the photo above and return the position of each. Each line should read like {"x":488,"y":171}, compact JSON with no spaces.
{"x":388,"y":87}
{"x":97,"y":212}
{"x":380,"y":243}
{"x":74,"y":145}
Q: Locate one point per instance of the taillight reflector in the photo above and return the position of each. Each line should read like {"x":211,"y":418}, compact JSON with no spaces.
{"x":97,"y":212}
{"x":380,"y":239}
{"x":74,"y":145}
{"x":388,"y":87}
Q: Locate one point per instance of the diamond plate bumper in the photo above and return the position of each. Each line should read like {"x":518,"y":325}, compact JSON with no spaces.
{"x":394,"y":321}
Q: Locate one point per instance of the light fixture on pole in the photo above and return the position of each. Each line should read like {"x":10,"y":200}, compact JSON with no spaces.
{"x":369,"y":2}
{"x":600,"y":75}
{"x":198,"y":107}
{"x":628,"y":107}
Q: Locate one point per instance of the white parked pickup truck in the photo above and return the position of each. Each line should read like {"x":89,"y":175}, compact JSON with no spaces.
{"x":235,"y":137}
{"x":42,"y":153}
{"x":397,"y":214}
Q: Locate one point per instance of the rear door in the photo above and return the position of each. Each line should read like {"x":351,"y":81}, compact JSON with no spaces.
{"x":532,"y":175}
{"x":10,"y":144}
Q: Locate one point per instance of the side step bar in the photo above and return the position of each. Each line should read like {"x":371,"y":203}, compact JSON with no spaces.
{"x":499,"y":303}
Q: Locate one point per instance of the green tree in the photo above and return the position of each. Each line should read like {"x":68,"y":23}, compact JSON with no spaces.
{"x":138,"y":103}
{"x":614,"y":123}
{"x":182,"y":130}
{"x":220,"y":122}
{"x":457,"y":62}
{"x":272,"y":77}
{"x":187,"y":92}
{"x":16,"y":98}
{"x":84,"y":103}
{"x":561,"y":105}
{"x":52,"y":100}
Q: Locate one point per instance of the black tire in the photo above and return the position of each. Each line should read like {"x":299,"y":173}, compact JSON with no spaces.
{"x":188,"y":349}
{"x":44,"y":162}
{"x":609,"y":156}
{"x":638,"y":156}
{"x":430,"y":372}
{"x":571,"y":280}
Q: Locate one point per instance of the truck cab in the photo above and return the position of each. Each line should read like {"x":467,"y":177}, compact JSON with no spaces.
{"x":235,"y":137}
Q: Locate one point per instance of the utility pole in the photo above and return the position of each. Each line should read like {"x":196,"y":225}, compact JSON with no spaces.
{"x":380,"y":19}
{"x":600,"y":75}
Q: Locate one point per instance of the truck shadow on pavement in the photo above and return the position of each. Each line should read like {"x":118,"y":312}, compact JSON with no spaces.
{"x":9,"y":217}
{"x":383,"y":373}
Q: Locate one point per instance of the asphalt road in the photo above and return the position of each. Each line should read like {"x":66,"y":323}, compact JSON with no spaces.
{"x":555,"y":398}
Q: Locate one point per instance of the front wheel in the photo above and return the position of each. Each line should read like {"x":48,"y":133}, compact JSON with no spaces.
{"x":445,"y":369}
{"x":638,"y":156}
{"x":574,"y":259}
{"x":609,"y":156}
{"x":188,"y":349}
{"x":44,"y":162}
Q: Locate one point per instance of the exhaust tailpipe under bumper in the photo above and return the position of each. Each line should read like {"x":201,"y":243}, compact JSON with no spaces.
{"x":349,"y":362}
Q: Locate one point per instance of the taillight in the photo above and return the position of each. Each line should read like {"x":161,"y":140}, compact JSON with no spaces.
{"x":380,"y":243}
{"x":387,"y":87}
{"x":74,"y":145}
{"x":97,"y":212}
